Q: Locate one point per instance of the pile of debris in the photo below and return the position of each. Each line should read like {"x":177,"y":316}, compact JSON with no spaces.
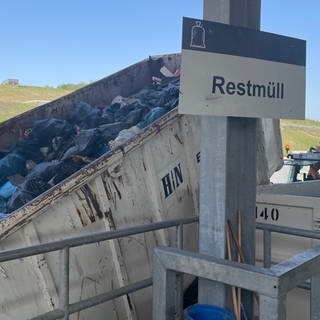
{"x":52,"y":149}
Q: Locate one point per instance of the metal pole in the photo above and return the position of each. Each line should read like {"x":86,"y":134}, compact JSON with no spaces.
{"x":267,"y":248}
{"x":179,"y":235}
{"x":315,"y":297}
{"x":164,"y":292}
{"x":64,"y":282}
{"x":179,"y":279}
{"x":228,"y":167}
{"x":272,"y":308}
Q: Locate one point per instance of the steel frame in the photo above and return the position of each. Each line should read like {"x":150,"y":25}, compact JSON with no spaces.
{"x":272,"y":284}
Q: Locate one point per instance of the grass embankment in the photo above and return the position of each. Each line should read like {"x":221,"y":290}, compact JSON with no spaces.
{"x":18,"y":99}
{"x":300,"y":134}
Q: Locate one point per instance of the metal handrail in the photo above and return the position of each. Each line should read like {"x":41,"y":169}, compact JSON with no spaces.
{"x":19,"y":253}
{"x":64,"y":246}
{"x":289,"y":230}
{"x":65,"y":308}
{"x":269,"y":228}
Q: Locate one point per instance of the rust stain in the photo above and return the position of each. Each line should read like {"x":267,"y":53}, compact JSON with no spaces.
{"x":91,"y":199}
{"x":117,"y":169}
{"x":107,"y":173}
{"x":109,"y":217}
{"x":81,"y":218}
{"x":79,"y":196}
{"x":115,"y":200}
{"x":107,"y":189}
{"x":188,"y":189}
{"x":178,"y":138}
{"x":117,"y":189}
{"x":41,"y":262}
{"x":89,"y":214}
{"x":129,"y":302}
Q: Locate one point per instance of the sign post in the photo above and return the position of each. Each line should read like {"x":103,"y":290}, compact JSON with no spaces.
{"x":229,"y":88}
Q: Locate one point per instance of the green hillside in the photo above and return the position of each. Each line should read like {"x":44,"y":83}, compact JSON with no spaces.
{"x":300,"y":135}
{"x":18,"y":99}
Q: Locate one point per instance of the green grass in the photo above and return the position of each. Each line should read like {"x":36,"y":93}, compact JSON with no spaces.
{"x":307,"y":122}
{"x":10,"y":110}
{"x":17,"y":99}
{"x":300,"y":134}
{"x":71,"y":86}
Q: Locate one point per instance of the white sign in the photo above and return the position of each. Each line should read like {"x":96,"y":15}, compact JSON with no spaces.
{"x":233,"y":71}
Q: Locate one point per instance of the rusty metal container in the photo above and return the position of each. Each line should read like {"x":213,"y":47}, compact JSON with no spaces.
{"x":152,"y":177}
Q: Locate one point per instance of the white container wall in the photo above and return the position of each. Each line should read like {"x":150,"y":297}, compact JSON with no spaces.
{"x":295,"y":205}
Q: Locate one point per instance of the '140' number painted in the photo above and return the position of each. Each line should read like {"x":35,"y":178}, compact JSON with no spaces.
{"x":267,"y":214}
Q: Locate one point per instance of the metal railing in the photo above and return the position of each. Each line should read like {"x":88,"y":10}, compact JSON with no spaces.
{"x":64,"y":246}
{"x":267,"y":229}
{"x":65,"y":308}
{"x":272,"y":283}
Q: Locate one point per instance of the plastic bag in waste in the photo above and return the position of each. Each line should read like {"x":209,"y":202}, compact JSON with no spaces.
{"x":43,"y":131}
{"x":170,"y":97}
{"x":108,"y":113}
{"x":110,"y":131}
{"x":85,"y":116}
{"x":28,"y":149}
{"x":104,"y":150}
{"x":3,"y":215}
{"x":124,"y":136}
{"x":135,"y":116}
{"x":18,"y":199}
{"x":86,"y":143}
{"x":3,"y":208}
{"x":67,"y":167}
{"x":6,"y":190}
{"x":34,"y":184}
{"x":10,"y":165}
{"x":151,"y":116}
{"x":120,"y":115}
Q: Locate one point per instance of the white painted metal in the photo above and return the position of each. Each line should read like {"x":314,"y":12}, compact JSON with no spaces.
{"x":199,"y":68}
{"x":298,"y":206}
{"x":121,"y":189}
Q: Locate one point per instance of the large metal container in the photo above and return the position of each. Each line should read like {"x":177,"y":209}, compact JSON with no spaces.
{"x":153,"y":177}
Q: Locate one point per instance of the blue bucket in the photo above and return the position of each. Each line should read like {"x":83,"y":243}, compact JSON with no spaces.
{"x":207,"y":312}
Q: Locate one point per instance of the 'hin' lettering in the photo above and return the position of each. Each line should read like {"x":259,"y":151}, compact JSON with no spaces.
{"x":172,"y":180}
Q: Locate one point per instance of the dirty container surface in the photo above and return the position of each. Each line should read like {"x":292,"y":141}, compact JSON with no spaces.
{"x":207,"y":312}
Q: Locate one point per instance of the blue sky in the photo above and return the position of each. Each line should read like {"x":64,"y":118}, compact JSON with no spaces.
{"x":70,"y":41}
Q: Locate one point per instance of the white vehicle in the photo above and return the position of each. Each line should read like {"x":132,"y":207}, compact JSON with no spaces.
{"x":296,"y":168}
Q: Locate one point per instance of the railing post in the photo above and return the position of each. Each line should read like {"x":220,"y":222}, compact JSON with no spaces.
{"x":178,"y":280}
{"x":266,"y":248}
{"x":272,"y":308}
{"x":64,"y":282}
{"x":179,"y":235}
{"x":164,"y":291}
{"x":315,"y":298}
